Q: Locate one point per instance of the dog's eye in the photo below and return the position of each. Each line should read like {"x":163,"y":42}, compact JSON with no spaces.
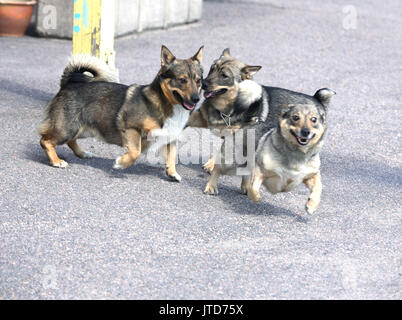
{"x":198,"y":82}
{"x":295,"y":118}
{"x":313,"y":119}
{"x":183,"y":80}
{"x":224,"y":76}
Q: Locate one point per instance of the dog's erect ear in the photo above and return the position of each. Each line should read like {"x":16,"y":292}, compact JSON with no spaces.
{"x":166,"y":57}
{"x":324,"y":95}
{"x":285,"y":112}
{"x":248,"y":71}
{"x":225,"y":53}
{"x":198,"y":55}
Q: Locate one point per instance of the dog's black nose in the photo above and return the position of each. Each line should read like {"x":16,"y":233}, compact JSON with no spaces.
{"x":305,"y":132}
{"x":195,"y":98}
{"x":205,"y":84}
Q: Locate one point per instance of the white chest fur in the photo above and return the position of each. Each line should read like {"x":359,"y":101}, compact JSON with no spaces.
{"x":171,"y":129}
{"x":289,"y":179}
{"x":280,"y":178}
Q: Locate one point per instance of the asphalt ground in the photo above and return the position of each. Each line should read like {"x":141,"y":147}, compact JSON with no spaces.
{"x":91,"y":232}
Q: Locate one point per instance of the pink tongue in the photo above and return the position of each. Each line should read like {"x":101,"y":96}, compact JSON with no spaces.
{"x":207,"y":95}
{"x":189,"y":106}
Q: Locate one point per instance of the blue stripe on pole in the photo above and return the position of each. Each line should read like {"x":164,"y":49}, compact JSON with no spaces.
{"x":85,"y":11}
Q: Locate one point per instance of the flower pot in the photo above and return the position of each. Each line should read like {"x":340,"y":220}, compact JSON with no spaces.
{"x":15,"y":17}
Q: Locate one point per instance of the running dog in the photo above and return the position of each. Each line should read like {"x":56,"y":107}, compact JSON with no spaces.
{"x":94,"y":104}
{"x":233,"y":101}
{"x":288,"y":154}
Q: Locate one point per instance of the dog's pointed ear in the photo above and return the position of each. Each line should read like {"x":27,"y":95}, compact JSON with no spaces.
{"x":225,"y":53}
{"x":166,"y":57}
{"x":248,"y":71}
{"x":324,"y":95}
{"x":198,"y":55}
{"x":285,"y":111}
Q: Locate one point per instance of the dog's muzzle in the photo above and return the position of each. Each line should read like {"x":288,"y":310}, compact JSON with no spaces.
{"x":187,"y":105}
{"x":211,"y":94}
{"x":304,"y":138}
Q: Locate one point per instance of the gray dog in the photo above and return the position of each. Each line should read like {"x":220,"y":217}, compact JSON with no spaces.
{"x":289,"y":129}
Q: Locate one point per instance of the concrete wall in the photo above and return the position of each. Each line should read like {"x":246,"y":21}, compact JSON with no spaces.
{"x":54,"y":18}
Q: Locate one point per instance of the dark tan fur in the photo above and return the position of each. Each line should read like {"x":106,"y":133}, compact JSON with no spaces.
{"x":225,"y":74}
{"x":118,"y":114}
{"x":206,"y":117}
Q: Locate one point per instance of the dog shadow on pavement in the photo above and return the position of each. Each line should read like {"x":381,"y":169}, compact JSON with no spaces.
{"x":26,"y":91}
{"x":238,"y":202}
{"x":105,"y":164}
{"x":193,"y":177}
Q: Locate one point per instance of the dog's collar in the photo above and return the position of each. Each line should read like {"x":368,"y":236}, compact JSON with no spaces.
{"x":258,"y":120}
{"x":226,"y":118}
{"x":260,"y":109}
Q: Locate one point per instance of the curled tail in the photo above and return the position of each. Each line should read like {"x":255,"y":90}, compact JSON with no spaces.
{"x":80,"y":65}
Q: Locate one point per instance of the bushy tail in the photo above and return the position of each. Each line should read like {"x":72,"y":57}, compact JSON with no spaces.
{"x":80,"y":65}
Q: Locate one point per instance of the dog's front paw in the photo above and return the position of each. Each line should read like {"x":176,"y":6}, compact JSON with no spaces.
{"x":60,"y":164}
{"x":310,"y":210}
{"x":211,"y":189}
{"x":209,"y":165}
{"x":117,"y":165}
{"x":311,"y":206}
{"x":255,"y":196}
{"x":174,"y":177}
{"x":172,"y":174}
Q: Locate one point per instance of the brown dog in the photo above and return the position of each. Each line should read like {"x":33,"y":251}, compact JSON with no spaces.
{"x":232,"y":100}
{"x":89,"y":106}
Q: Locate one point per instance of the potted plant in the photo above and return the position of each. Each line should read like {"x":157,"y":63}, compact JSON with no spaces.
{"x":15,"y":16}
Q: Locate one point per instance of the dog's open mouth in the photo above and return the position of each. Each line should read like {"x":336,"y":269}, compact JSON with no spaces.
{"x":211,"y":94}
{"x":186,"y":105}
{"x":302,"y":140}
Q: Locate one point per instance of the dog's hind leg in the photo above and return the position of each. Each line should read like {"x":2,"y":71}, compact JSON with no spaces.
{"x":48,"y":144}
{"x":78,"y":151}
{"x":171,"y":162}
{"x":132,"y":143}
{"x":315,"y":186}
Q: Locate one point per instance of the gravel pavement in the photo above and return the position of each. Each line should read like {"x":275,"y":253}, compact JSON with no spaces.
{"x":91,"y":232}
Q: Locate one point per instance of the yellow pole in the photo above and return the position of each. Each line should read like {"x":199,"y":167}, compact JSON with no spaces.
{"x":106,"y":48}
{"x":93,"y":29}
